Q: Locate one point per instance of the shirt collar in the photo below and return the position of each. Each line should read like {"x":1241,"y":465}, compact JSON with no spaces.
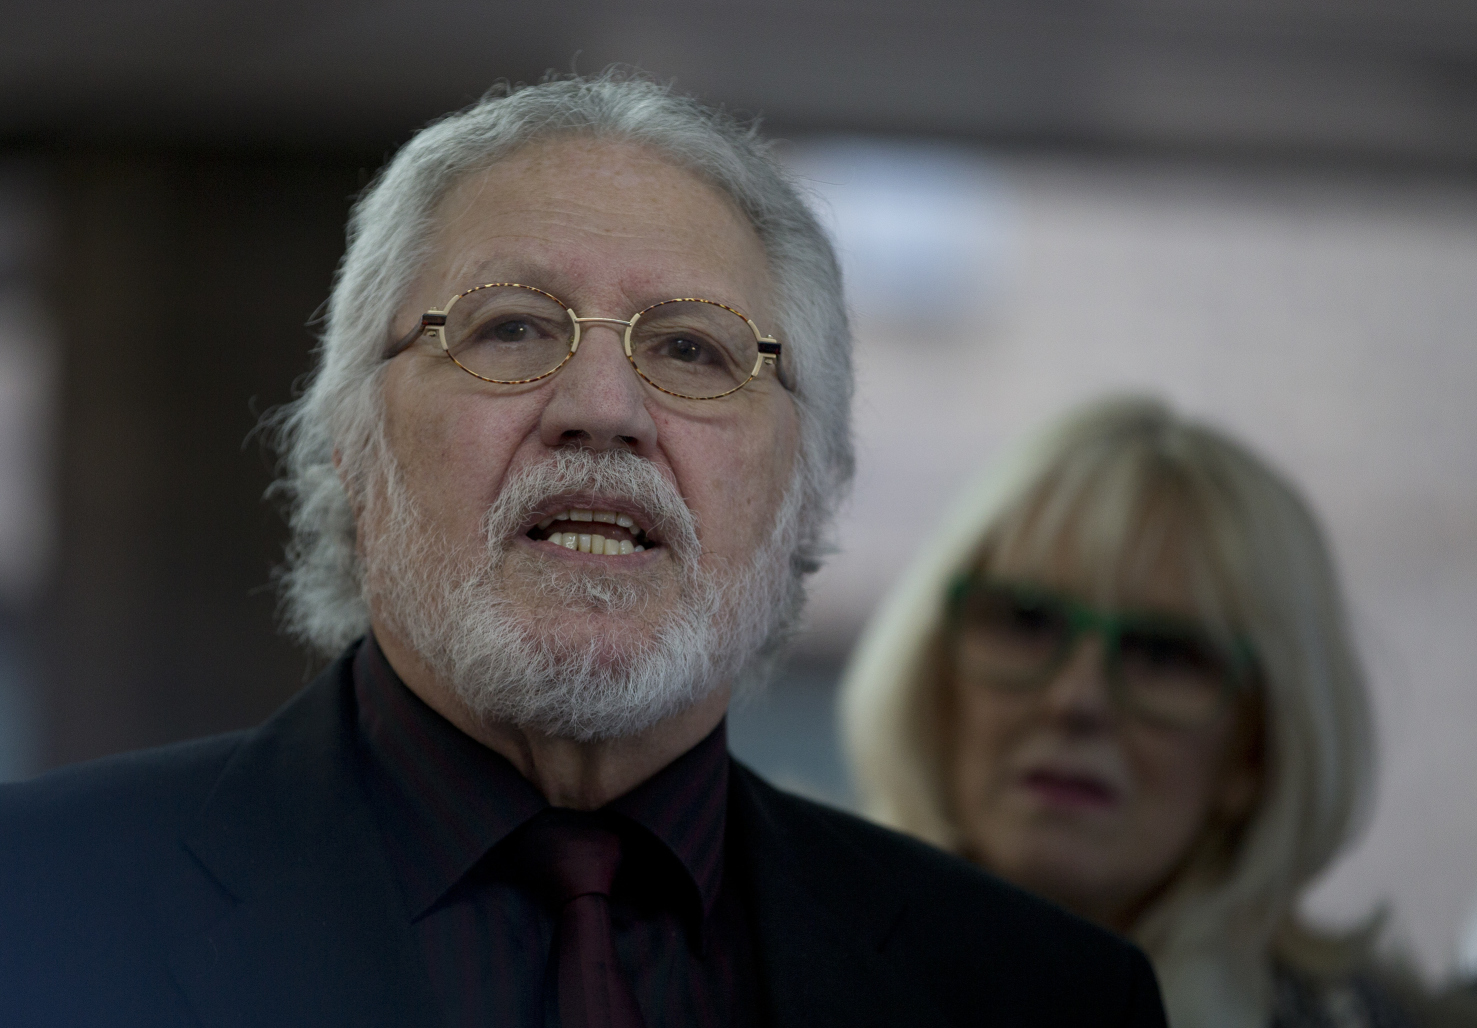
{"x":445,"y":800}
{"x":685,"y":806}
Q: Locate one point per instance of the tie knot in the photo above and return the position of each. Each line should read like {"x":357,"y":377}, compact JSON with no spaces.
{"x":568,"y":853}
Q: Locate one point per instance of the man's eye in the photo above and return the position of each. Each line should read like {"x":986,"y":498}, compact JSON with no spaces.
{"x":511,"y":331}
{"x":688,"y":350}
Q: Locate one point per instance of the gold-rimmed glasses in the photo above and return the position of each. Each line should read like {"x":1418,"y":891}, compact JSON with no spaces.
{"x":508,"y":333}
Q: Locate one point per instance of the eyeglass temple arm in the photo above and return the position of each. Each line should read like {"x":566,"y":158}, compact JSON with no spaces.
{"x":430,"y":319}
{"x":769,"y":353}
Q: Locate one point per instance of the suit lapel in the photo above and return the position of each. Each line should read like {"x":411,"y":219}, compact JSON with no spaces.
{"x":822,"y":916}
{"x":317,"y":934}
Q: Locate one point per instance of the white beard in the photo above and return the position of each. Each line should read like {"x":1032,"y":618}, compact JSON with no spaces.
{"x":504,"y":660}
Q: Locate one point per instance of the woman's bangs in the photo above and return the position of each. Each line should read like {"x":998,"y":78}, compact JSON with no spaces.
{"x":1106,"y":529}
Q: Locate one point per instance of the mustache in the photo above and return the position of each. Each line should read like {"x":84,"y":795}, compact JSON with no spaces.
{"x":615,"y":474}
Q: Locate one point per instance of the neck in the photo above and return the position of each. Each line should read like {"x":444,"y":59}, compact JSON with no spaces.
{"x":569,"y":773}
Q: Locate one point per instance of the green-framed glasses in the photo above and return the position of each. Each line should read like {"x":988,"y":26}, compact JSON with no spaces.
{"x":508,"y":333}
{"x":1015,"y":637}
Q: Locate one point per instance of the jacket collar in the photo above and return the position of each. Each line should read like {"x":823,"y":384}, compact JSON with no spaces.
{"x":822,"y":912}
{"x":317,"y":934}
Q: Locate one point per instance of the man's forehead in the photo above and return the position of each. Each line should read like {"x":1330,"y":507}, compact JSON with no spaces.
{"x":571,"y":281}
{"x":557,"y":221}
{"x":602,"y":187}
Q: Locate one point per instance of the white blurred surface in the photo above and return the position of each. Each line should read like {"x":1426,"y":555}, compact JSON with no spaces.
{"x":27,"y":386}
{"x":28,"y":382}
{"x":1329,"y":320}
{"x":1466,"y":959}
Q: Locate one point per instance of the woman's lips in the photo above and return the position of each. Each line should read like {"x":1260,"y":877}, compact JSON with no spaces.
{"x":1064,"y":789}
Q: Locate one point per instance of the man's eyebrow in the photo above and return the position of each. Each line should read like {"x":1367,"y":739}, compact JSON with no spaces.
{"x":513,"y":269}
{"x":553,"y":279}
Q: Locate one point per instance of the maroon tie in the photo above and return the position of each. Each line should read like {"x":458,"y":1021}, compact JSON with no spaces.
{"x":571,"y":859}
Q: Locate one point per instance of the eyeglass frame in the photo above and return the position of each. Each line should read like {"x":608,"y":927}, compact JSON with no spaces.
{"x":433,"y":322}
{"x":1083,"y":619}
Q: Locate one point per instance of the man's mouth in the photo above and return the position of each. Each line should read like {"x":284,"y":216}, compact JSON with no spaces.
{"x":587,"y":530}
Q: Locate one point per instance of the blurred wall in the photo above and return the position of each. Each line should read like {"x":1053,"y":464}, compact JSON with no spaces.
{"x":1327,"y":317}
{"x":28,"y":379}
{"x":181,"y":286}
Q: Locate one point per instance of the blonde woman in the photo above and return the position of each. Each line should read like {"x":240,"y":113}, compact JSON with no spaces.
{"x":1122,"y":678}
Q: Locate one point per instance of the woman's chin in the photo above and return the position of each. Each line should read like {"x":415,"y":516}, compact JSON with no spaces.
{"x":1067,"y":868}
{"x":1072,"y":887}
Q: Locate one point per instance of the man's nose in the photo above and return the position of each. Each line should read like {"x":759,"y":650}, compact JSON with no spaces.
{"x":597,"y":400}
{"x":1078,"y":695}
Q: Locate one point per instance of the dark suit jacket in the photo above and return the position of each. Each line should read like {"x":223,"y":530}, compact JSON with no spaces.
{"x":240,"y":880}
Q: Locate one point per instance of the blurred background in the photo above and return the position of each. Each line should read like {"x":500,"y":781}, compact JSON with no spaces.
{"x":1265,"y":210}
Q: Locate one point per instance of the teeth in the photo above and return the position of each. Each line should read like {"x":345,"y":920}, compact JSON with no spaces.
{"x":594,"y":543}
{"x":608,"y":517}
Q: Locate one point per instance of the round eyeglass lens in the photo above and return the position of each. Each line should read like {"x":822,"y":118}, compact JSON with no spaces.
{"x":1177,"y":677}
{"x":1009,"y":640}
{"x":693,"y":348}
{"x":508,"y":333}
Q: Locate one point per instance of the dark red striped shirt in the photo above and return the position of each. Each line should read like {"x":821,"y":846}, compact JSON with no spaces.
{"x":445,"y":803}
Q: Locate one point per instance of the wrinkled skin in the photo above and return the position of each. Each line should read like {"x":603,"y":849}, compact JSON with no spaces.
{"x":609,"y":228}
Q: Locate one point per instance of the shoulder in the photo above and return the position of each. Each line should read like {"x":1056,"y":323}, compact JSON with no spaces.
{"x":88,"y":836}
{"x":125,"y":792}
{"x":134,"y":808}
{"x":941,"y":884}
{"x":103,"y":888}
{"x":121,"y":803}
{"x":973,"y":937}
{"x":93,"y":876}
{"x":1374,"y":996}
{"x":913,"y":866}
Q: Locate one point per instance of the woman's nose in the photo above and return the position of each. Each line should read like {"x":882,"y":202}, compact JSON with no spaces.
{"x":1078,"y":694}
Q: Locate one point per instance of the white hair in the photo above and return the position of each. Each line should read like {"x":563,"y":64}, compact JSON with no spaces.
{"x":388,"y":238}
{"x":1093,"y":486}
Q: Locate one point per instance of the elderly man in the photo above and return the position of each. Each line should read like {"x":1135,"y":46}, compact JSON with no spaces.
{"x":579,"y":423}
